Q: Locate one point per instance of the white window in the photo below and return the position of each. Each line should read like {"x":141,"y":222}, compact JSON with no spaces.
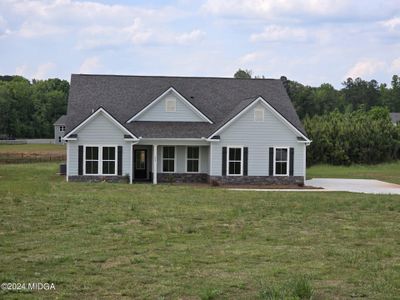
{"x":168,"y":159}
{"x":170,"y":105}
{"x":62,"y":128}
{"x":235,"y":161}
{"x":100,"y":160}
{"x":281,"y":161}
{"x":259,"y":114}
{"x":192,"y":159}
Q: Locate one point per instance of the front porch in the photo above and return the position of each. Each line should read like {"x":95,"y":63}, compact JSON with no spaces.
{"x":170,"y":163}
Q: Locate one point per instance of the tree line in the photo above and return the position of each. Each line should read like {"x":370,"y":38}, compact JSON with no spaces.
{"x":347,"y":125}
{"x":28,"y":109}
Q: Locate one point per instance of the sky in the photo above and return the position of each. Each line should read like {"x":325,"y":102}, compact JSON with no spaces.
{"x":310,"y":41}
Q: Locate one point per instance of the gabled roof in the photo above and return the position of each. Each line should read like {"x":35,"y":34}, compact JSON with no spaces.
{"x":86,"y":120}
{"x":180,"y":97}
{"x":217,"y":98}
{"x":61,"y":120}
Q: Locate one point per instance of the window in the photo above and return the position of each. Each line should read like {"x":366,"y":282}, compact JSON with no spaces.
{"x":59,"y":139}
{"x":192,"y":162}
{"x":109,"y":160}
{"x":100,"y":160}
{"x":168,"y":159}
{"x":281,"y":161}
{"x":62,"y":128}
{"x":92,"y":160}
{"x":235,"y":163}
{"x":170,"y":105}
{"x":259,"y":114}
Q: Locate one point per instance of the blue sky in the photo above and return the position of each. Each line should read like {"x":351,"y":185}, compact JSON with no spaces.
{"x":310,"y":41}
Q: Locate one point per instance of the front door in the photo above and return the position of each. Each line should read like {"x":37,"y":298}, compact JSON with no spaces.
{"x":140,"y":164}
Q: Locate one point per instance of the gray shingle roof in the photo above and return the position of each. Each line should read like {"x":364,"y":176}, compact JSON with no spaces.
{"x":61,"y":120}
{"x":218,"y":98}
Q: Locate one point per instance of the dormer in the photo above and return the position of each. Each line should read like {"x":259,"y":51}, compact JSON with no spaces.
{"x":170,"y":107}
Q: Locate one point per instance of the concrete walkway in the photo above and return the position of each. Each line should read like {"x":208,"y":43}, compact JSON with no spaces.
{"x":367,"y":186}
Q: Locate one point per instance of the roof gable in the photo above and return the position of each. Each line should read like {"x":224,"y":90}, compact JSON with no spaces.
{"x":253,"y":103}
{"x":99,"y":111}
{"x":156,"y":110}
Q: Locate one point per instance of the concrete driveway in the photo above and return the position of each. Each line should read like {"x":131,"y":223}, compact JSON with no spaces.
{"x":368,"y":186}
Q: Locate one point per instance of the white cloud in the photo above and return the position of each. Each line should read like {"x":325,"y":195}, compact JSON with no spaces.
{"x":190,"y":37}
{"x":395,"y":65}
{"x":21,"y":70}
{"x":276,"y":33}
{"x":365,"y":68}
{"x":43,"y":70}
{"x":392,"y":24}
{"x":250,"y":58}
{"x":37,"y":29}
{"x":90,"y":65}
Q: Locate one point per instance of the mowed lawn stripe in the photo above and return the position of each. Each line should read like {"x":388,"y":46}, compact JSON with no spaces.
{"x":144,"y":241}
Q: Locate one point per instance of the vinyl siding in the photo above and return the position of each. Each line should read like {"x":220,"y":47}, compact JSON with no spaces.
{"x":98,"y":132}
{"x":157,"y":112}
{"x":258,"y":137}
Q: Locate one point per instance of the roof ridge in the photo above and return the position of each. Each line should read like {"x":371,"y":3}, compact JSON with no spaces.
{"x":165,"y":76}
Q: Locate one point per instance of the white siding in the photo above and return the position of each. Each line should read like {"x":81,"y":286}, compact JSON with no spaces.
{"x":258,"y":137}
{"x":157,"y":112}
{"x":98,"y":132}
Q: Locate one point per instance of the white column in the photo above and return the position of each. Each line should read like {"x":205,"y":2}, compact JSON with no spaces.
{"x":131,"y":162}
{"x":154,"y":164}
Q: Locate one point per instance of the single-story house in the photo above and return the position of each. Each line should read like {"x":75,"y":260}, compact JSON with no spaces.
{"x":59,"y":130}
{"x":183,"y":129}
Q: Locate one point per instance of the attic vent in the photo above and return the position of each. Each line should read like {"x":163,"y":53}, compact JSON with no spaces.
{"x":259,"y":114}
{"x":170,"y":105}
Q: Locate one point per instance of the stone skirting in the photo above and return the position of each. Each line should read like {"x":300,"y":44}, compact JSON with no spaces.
{"x":80,"y":178}
{"x":182,"y":177}
{"x":257,"y":180}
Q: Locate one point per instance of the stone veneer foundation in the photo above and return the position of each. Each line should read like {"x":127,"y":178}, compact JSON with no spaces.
{"x":81,"y":178}
{"x":183,"y":177}
{"x":257,"y":180}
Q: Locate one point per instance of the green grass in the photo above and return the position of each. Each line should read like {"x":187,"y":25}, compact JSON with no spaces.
{"x":32,"y":148}
{"x":389,"y":172}
{"x":143,"y":241}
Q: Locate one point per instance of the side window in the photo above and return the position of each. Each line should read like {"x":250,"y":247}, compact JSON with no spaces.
{"x":92,"y":160}
{"x":235,"y":161}
{"x":109,"y":158}
{"x":193,"y":157}
{"x":168,"y":159}
{"x":281,"y":162}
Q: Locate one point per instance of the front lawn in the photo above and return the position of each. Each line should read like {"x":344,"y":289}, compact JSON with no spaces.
{"x":166,"y":242}
{"x":389,"y":172}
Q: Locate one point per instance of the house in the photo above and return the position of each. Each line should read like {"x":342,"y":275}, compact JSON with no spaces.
{"x":59,"y":130}
{"x":395,"y":117}
{"x":183,"y":129}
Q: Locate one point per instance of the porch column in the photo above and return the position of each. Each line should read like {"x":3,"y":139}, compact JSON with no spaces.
{"x":154,"y":164}
{"x":131,"y":170}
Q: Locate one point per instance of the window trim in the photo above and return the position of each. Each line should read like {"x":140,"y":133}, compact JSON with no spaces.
{"x":100,"y":160}
{"x":241,"y":160}
{"x":162,"y":159}
{"x":287,"y":161}
{"x":263,"y":114}
{"x":166,"y":105}
{"x":186,"y":160}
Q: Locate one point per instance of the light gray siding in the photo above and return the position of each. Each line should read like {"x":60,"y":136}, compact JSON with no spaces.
{"x":157,"y":111}
{"x":100,"y":131}
{"x":258,"y":137}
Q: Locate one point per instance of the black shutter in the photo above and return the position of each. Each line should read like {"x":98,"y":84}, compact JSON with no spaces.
{"x":245,"y":160}
{"x":120,"y":160}
{"x":80,"y":160}
{"x":223,"y":161}
{"x":291,"y":161}
{"x":271,"y":161}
